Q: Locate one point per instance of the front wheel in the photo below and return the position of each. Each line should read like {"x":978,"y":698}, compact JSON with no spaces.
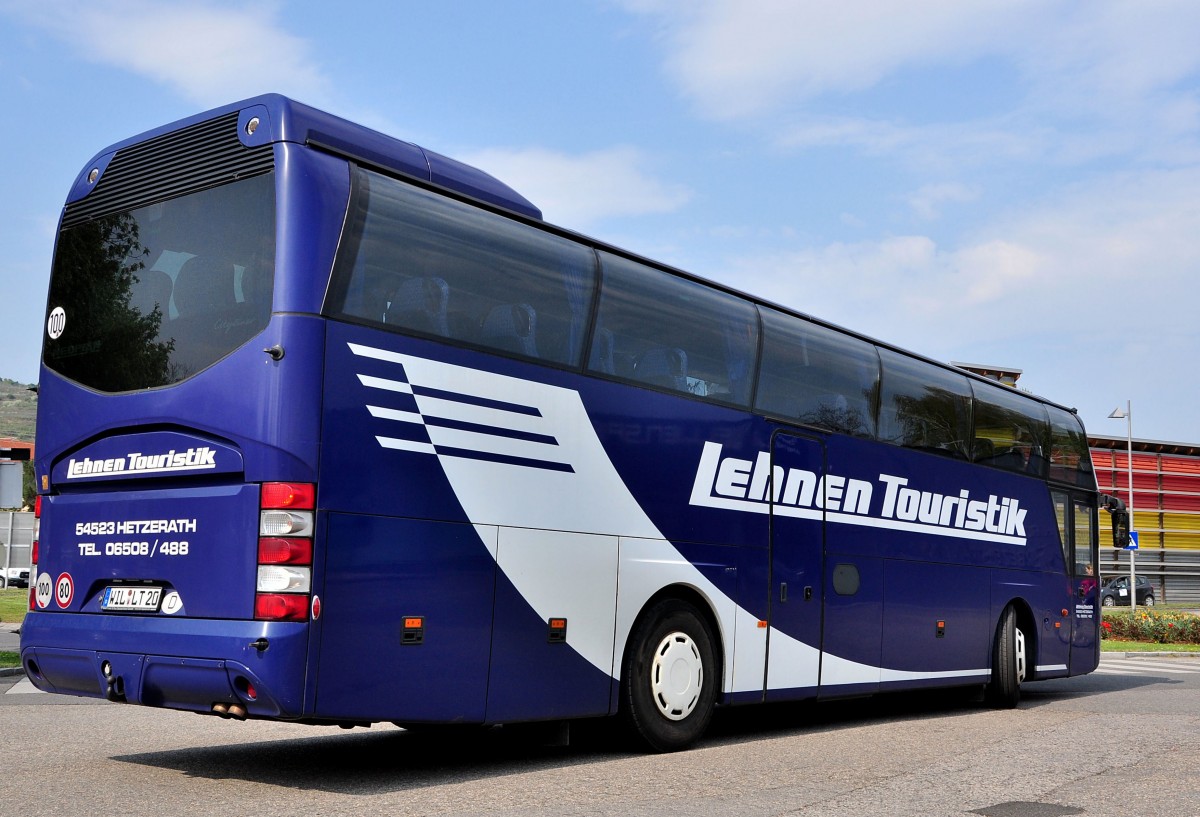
{"x":1109,"y":601}
{"x":1008,"y":662}
{"x":669,"y":681}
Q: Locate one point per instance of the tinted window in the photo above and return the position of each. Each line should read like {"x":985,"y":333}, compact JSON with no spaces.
{"x":150,"y":296}
{"x":428,"y":264}
{"x":1069,"y":457}
{"x":1062,"y":513}
{"x":664,"y":331}
{"x":924,"y":406}
{"x":1010,"y":430}
{"x":1085,"y":533}
{"x":817,"y":376}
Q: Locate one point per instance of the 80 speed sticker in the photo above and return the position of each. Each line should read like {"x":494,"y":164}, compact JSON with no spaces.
{"x":64,"y":590}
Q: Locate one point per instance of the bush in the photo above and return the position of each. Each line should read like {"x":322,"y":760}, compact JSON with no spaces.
{"x":1149,"y":625}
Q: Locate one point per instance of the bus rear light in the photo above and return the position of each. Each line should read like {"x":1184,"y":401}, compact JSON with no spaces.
{"x":285,"y":551}
{"x":281,"y":607}
{"x":291,"y":495}
{"x":279,"y":551}
{"x":33,"y":552}
{"x":284,"y":579}
{"x":285,"y":523}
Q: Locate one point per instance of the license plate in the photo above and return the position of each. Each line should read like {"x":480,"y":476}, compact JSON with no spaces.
{"x":138,"y":599}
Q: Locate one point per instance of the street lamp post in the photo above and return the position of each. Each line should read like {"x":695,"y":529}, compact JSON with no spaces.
{"x":1127,"y":416}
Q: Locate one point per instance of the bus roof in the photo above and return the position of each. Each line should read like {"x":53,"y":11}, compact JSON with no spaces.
{"x":290,"y":121}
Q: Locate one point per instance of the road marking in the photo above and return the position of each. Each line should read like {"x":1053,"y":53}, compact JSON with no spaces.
{"x":1145,"y":666}
{"x":22,"y":687}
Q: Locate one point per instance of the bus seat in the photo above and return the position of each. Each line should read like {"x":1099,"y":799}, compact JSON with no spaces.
{"x":663,"y":366}
{"x":420,"y":304}
{"x":152,"y":288}
{"x":203,"y":285}
{"x":983,"y":450}
{"x":511,"y":328}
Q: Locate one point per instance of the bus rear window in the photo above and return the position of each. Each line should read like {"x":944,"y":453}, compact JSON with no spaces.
{"x":150,"y":296}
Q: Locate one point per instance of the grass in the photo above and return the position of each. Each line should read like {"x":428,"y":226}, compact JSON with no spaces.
{"x":14,"y":602}
{"x":1111,"y":645}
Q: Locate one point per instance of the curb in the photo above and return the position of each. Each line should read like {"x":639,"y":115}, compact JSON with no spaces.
{"x":1192,"y":656}
{"x":8,"y":672}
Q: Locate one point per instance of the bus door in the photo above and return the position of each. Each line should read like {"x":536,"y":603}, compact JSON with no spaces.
{"x":797,"y":544}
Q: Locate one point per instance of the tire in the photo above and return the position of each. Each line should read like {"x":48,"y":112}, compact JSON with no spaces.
{"x":1008,"y":662}
{"x":669,"y":679}
{"x":1149,"y":601}
{"x":1109,"y":601}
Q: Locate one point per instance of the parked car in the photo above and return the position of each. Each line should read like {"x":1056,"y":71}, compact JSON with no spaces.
{"x":16,"y":577}
{"x":1116,"y":591}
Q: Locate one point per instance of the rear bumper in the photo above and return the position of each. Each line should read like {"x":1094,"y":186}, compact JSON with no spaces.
{"x":258,"y":666}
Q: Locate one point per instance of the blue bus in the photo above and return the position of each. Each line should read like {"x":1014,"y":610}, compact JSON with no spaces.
{"x":336,"y":430}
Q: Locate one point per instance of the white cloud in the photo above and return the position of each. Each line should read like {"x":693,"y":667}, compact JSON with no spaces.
{"x":736,"y":58}
{"x":577,"y":191}
{"x":1116,"y":252}
{"x":927,"y":202}
{"x":1109,"y":61}
{"x":209,"y":52}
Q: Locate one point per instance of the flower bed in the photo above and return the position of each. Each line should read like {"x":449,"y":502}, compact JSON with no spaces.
{"x":1153,"y":626}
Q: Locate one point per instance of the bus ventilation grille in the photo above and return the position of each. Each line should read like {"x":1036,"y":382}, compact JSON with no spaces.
{"x":197,"y":157}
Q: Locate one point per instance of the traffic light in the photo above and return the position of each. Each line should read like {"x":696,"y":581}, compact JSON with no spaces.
{"x":1120,"y":528}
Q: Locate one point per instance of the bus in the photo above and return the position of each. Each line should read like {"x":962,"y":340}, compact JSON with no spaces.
{"x":334,"y":429}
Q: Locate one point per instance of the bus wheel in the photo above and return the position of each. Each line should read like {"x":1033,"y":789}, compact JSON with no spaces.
{"x":1008,"y":662}
{"x":668,"y":683}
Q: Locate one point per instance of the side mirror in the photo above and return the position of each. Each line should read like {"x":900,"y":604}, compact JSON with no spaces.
{"x":1120,"y":529}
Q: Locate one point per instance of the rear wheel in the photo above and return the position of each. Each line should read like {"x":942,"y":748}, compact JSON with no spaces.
{"x":1149,"y":601}
{"x":1008,"y":662}
{"x":668,"y":683}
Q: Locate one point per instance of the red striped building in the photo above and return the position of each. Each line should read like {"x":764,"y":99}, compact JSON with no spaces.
{"x":1166,"y":512}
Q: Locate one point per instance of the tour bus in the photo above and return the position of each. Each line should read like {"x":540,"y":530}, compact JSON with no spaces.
{"x":334,"y":429}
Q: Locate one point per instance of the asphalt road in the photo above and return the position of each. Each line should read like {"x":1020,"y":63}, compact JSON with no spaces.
{"x":1124,"y":741}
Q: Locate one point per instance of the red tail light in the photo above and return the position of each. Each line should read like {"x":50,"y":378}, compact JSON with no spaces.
{"x":275,"y":550}
{"x":33,"y":551}
{"x":285,"y":551}
{"x":289,"y":495}
{"x":281,"y":606}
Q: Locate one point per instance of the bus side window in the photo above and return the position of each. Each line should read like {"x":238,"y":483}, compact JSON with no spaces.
{"x":924,"y":406}
{"x":1070,"y":458}
{"x":1018,"y":430}
{"x":425,"y":264}
{"x":671,"y":333}
{"x":817,"y":376}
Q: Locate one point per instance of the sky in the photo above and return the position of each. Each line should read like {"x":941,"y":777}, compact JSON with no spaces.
{"x":1003,"y":182}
